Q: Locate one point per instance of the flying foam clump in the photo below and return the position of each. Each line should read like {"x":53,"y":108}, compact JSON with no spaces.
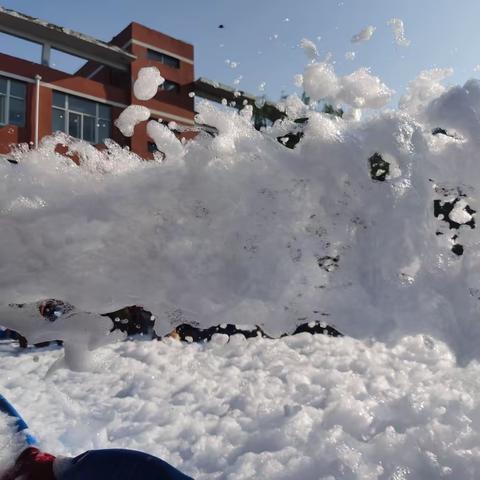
{"x":147,"y":83}
{"x":398,"y":29}
{"x":130,"y":117}
{"x":364,"y":35}
{"x":165,"y":140}
{"x":423,"y":89}
{"x":360,"y":89}
{"x":310,"y":49}
{"x":320,"y":81}
{"x":350,"y":56}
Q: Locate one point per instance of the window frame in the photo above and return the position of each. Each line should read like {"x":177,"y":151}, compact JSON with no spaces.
{"x":163,"y":58}
{"x":8,"y":96}
{"x":97,"y":118}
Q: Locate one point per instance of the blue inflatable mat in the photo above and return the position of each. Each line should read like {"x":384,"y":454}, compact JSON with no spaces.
{"x":20,"y":424}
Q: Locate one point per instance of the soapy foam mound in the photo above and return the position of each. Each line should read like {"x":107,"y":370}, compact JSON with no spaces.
{"x":239,"y":229}
{"x":306,"y":407}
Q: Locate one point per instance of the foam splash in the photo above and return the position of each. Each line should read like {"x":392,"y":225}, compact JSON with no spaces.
{"x":364,"y":35}
{"x":360,"y":89}
{"x":239,"y":229}
{"x":310,"y":49}
{"x":398,"y":30}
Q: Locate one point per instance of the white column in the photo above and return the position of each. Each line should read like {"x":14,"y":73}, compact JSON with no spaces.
{"x":37,"y":107}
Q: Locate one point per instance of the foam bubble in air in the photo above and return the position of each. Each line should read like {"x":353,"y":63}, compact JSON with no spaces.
{"x":364,"y":35}
{"x":130,"y":117}
{"x":399,"y":32}
{"x":309,"y":48}
{"x":360,"y":89}
{"x":147,"y":83}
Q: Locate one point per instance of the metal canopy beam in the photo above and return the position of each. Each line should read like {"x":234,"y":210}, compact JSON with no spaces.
{"x":52,"y":36}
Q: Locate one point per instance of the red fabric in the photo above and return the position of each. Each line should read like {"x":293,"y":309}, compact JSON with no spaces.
{"x":32,"y":464}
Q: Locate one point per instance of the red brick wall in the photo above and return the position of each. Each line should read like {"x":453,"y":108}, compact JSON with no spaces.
{"x":10,"y":134}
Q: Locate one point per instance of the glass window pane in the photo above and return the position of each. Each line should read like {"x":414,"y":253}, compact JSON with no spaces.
{"x":104,"y":111}
{"x":152,"y":147}
{"x":153,"y":55}
{"x":3,"y":104}
{"x":104,"y":130}
{"x":3,"y":85}
{"x":59,"y":99}
{"x":58,"y":120}
{"x":74,"y":125}
{"x":17,"y":112}
{"x":171,"y":61}
{"x":89,"y":128}
{"x":17,"y":89}
{"x":163,"y":58}
{"x":170,"y":86}
{"x":81,"y":105}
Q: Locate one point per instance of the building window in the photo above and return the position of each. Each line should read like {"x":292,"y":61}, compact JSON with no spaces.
{"x":12,"y":102}
{"x":152,"y":147}
{"x":169,"y":86}
{"x":80,"y":118}
{"x":163,"y":58}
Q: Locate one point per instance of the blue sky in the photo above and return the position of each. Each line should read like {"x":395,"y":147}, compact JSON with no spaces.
{"x":443,"y":33}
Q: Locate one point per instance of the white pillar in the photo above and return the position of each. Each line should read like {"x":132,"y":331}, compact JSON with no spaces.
{"x":37,"y":107}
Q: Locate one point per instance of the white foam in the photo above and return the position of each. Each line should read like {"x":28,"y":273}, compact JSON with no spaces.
{"x":350,"y":56}
{"x":130,"y":117}
{"x":309,"y":48}
{"x":364,"y":35}
{"x":294,"y":408}
{"x":360,"y":89}
{"x":165,"y":139}
{"x":146,"y":85}
{"x":398,"y":29}
{"x":423,"y":89}
{"x":236,"y":227}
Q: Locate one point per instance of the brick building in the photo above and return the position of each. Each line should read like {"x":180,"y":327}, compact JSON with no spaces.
{"x":36,"y":100}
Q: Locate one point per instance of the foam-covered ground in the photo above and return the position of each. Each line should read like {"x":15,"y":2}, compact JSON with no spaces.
{"x":304,"y":407}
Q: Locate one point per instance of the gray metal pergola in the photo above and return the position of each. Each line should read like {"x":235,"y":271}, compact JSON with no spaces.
{"x":63,"y":39}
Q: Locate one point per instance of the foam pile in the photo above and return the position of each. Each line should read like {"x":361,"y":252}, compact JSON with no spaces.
{"x":353,"y":226}
{"x":302,"y":407}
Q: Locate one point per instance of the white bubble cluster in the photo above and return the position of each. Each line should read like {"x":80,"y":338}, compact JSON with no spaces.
{"x":309,"y":48}
{"x":350,"y":56}
{"x":364,"y":35}
{"x":360,"y":89}
{"x":130,"y":117}
{"x":233,"y":226}
{"x":398,"y":29}
{"x":146,"y":85}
